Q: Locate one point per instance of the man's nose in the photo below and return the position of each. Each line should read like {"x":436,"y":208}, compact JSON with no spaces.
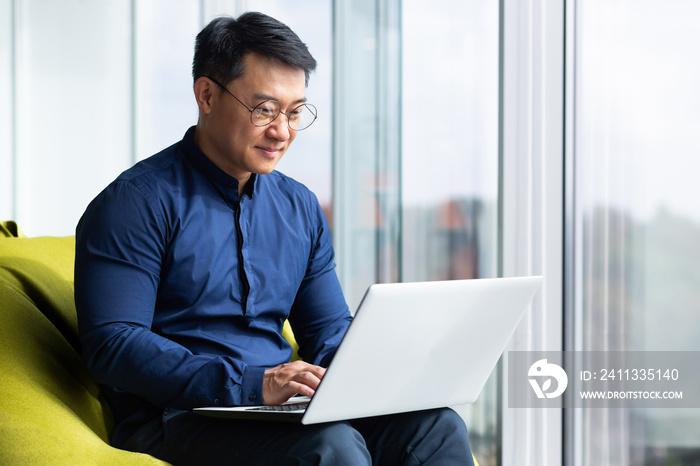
{"x":279,"y":129}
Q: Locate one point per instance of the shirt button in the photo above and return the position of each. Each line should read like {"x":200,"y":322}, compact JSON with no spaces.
{"x":252,"y":397}
{"x":217,"y":402}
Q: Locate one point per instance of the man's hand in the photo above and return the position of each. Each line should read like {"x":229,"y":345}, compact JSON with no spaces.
{"x":286,"y":380}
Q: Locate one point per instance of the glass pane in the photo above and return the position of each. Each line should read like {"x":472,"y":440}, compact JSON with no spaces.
{"x":637,"y":214}
{"x":360,"y":211}
{"x":7,"y":210}
{"x":449,"y":162}
{"x":309,"y":158}
{"x":165,"y":105}
{"x":73,"y":108}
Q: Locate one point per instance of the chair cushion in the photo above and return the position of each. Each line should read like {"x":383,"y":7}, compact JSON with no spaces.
{"x":51,"y":411}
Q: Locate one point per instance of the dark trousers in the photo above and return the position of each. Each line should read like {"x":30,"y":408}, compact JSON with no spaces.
{"x":435,"y":437}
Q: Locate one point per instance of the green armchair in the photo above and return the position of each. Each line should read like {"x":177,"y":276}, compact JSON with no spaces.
{"x":51,"y":411}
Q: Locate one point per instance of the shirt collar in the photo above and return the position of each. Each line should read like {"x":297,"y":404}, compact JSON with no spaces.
{"x":209,"y":169}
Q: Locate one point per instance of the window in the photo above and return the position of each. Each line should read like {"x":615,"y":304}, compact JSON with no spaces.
{"x":416,"y":154}
{"x":71,"y":93}
{"x":449,"y":162}
{"x":636,"y":217}
{"x":93,"y":87}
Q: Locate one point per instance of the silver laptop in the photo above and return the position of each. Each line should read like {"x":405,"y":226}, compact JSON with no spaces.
{"x":411,"y":346}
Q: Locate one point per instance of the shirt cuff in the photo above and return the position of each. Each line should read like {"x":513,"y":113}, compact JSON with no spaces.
{"x":251,"y":388}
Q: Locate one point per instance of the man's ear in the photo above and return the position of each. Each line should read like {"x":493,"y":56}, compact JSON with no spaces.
{"x":203,"y":94}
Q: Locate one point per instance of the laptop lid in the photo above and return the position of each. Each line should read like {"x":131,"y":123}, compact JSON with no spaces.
{"x":414,"y":346}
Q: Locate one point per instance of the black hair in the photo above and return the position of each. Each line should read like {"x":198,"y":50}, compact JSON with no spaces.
{"x":220,"y":47}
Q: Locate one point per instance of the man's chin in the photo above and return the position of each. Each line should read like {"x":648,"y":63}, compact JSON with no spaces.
{"x":266,"y":169}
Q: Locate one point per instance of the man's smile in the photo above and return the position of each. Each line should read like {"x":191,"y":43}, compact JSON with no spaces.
{"x":270,"y":152}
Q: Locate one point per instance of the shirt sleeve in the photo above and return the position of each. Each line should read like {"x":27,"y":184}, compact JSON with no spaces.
{"x":120,"y":243}
{"x":319,"y":316}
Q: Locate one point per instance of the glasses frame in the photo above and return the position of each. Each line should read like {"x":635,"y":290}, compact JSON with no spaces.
{"x":312,"y":108}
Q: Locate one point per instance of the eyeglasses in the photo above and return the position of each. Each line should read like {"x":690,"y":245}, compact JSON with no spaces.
{"x":267,"y":111}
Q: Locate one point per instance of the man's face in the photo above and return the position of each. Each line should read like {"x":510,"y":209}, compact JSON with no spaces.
{"x":225,"y":133}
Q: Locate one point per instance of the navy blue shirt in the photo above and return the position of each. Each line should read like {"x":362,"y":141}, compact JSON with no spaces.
{"x":182,"y":287}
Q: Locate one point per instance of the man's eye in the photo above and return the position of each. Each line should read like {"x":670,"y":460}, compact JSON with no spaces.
{"x":264,"y":113}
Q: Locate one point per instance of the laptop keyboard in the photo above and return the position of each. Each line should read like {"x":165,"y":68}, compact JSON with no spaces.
{"x":281,"y":408}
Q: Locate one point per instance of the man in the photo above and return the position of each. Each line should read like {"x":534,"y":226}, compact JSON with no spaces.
{"x":189,"y":263}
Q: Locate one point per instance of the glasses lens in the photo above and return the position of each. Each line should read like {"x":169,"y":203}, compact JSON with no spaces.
{"x":264,"y":113}
{"x":302,"y":117}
